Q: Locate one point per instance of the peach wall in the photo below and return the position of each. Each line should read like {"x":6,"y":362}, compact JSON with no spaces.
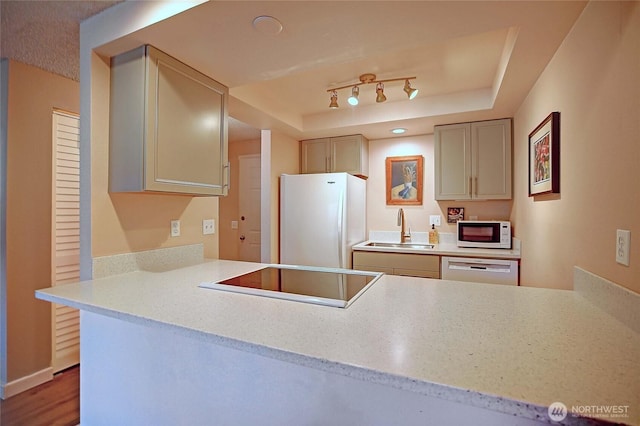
{"x":123,"y":223}
{"x":285,"y":159}
{"x":381,"y":217}
{"x":229,"y":205}
{"x":593,"y":82}
{"x":33,"y":94}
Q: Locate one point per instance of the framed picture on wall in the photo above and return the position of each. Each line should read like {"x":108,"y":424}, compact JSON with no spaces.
{"x":404,"y":180}
{"x":544,"y":156}
{"x":454,"y":214}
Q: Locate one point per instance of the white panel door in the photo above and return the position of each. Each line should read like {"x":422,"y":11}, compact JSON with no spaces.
{"x":249,"y":208}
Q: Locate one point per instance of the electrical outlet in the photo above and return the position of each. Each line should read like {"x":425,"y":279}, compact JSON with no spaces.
{"x":175,"y":228}
{"x":623,"y":239}
{"x":434,"y":219}
{"x":208,"y":226}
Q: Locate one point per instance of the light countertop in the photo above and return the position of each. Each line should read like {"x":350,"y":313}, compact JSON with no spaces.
{"x":446,"y":246}
{"x":443,"y":250}
{"x":511,"y":349}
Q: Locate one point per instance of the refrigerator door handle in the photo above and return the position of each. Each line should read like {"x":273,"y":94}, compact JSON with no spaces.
{"x":340,"y":212}
{"x":341,"y":283}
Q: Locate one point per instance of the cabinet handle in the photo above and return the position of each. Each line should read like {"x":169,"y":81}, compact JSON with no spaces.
{"x":476,"y":186}
{"x":227,"y":184}
{"x":470,"y":186}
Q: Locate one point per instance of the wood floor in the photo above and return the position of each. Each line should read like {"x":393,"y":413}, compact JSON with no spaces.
{"x":53,"y":403}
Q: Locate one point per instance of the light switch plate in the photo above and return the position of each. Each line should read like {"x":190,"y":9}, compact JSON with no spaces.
{"x":175,"y":228}
{"x":623,"y":239}
{"x":208,"y":226}
{"x":234,"y":224}
{"x":434,"y":219}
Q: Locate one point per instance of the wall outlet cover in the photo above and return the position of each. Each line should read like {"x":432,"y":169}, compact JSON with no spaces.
{"x":208,"y":226}
{"x":623,"y":240}
{"x":175,"y":228}
{"x":434,"y":219}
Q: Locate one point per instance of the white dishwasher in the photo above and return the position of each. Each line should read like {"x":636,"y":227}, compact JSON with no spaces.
{"x":492,"y":271}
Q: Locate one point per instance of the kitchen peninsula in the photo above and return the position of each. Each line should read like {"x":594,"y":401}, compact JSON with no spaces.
{"x":157,"y":349}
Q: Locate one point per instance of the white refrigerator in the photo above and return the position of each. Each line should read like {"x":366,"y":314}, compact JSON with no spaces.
{"x":322,"y":216}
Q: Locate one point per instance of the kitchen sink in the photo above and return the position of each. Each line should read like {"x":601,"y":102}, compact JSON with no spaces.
{"x":400,"y":245}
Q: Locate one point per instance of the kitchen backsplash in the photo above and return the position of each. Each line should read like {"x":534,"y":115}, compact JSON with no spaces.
{"x":158,"y":260}
{"x":617,"y":301}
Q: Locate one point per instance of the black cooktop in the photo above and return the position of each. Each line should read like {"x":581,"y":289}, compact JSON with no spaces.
{"x":324,"y":286}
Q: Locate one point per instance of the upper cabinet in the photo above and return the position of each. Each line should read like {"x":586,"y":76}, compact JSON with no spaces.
{"x":473,"y":161}
{"x":168,"y":127}
{"x":340,"y":154}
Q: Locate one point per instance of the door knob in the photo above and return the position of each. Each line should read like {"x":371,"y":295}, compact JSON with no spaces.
{"x":242,"y":237}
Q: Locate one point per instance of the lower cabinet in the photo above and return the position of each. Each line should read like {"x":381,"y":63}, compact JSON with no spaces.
{"x":407,"y":264}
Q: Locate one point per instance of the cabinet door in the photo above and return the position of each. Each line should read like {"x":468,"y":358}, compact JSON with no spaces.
{"x":349,"y":154}
{"x":168,"y":126}
{"x":453,"y":162}
{"x":314,"y":156}
{"x":186,"y":139}
{"x":491,"y":165}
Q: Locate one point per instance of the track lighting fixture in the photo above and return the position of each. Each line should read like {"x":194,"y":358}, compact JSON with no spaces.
{"x":353,"y":99}
{"x":380,"y":93}
{"x":411,"y":92}
{"x":334,"y":100}
{"x":370,"y":79}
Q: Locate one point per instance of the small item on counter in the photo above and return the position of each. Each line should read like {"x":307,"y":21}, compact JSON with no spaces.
{"x":433,"y":235}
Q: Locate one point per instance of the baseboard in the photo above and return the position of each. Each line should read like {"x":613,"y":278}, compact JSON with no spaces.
{"x":25,"y":383}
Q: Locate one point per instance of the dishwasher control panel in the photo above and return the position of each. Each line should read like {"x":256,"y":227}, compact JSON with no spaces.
{"x":492,"y":271}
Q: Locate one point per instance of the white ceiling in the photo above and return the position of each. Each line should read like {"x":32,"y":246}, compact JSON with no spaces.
{"x":473,"y":60}
{"x":46,"y":34}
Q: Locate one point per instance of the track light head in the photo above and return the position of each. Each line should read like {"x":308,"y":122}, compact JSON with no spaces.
{"x":334,"y":100}
{"x":411,"y":92}
{"x":353,"y":99}
{"x":380,"y":93}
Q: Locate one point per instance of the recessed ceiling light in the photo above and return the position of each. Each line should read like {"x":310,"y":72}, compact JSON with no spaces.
{"x":267,"y":25}
{"x":398,"y":131}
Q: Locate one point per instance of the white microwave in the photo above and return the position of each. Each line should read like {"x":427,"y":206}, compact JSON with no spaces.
{"x":484,"y":234}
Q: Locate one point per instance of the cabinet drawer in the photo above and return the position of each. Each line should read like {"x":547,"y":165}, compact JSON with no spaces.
{"x":417,"y":273}
{"x":423,"y":262}
{"x":409,"y":264}
{"x":362,"y":267}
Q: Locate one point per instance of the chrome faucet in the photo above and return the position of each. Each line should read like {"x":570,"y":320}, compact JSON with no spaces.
{"x":404,"y":235}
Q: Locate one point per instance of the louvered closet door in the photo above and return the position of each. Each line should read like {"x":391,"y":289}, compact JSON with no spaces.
{"x":66,"y":235}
